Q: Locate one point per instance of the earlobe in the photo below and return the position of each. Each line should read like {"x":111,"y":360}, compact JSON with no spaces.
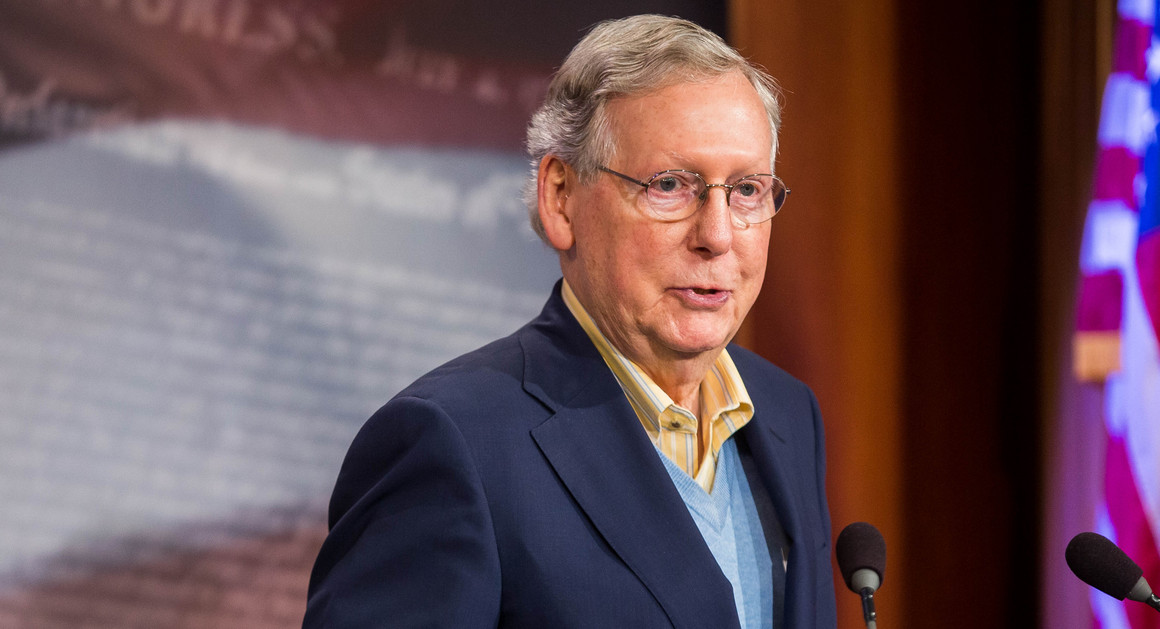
{"x":553,"y":185}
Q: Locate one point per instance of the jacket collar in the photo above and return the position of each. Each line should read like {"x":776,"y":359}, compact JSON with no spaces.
{"x":771,"y":454}
{"x":597,"y":447}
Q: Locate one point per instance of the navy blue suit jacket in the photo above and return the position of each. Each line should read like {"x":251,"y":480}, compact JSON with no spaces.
{"x":515,"y":487}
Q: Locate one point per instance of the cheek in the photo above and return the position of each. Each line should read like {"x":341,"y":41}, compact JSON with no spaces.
{"x":650,"y":254}
{"x":752,"y":254}
{"x":633,"y":246}
{"x":634,"y":263}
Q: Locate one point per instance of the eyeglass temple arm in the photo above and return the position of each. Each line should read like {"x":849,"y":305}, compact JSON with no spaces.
{"x":623,"y":176}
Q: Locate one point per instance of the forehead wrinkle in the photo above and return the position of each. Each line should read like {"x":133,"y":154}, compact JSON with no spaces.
{"x":681,"y":159}
{"x":624,"y":106}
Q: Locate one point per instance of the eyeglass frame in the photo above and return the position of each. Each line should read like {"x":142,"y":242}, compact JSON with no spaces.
{"x":727,"y":186}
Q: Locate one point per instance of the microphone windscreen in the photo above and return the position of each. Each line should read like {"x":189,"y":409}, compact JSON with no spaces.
{"x":1097,"y":561}
{"x":860,"y":545}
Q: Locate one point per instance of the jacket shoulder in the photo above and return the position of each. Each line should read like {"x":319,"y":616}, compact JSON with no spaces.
{"x":499,"y":365}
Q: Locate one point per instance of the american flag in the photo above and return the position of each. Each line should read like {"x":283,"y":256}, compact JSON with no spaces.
{"x":1119,"y":304}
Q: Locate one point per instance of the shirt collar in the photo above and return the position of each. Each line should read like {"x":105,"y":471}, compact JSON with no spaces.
{"x":722,"y":390}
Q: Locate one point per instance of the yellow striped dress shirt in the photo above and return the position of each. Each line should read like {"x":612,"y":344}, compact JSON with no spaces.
{"x":673,"y":429}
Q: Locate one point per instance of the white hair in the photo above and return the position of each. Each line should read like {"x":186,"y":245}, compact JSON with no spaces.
{"x":626,"y":57}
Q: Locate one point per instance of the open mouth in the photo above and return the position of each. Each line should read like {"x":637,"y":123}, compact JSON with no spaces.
{"x":706,"y":291}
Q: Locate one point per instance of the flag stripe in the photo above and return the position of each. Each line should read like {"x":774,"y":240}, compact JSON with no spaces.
{"x":1116,"y":169}
{"x":1132,"y":41}
{"x":1095,"y":291}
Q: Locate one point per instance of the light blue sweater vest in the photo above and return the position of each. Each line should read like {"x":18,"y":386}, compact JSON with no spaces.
{"x":727,"y":519}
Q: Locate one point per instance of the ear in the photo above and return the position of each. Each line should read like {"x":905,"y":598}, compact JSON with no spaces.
{"x":553,"y":186}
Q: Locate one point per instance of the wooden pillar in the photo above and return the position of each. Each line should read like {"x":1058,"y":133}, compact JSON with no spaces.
{"x":904,"y":284}
{"x":829,"y":310}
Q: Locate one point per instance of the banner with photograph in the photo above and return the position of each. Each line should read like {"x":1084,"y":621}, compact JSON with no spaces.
{"x":229,"y":231}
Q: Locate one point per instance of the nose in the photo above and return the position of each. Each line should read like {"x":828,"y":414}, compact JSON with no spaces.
{"x":713,"y":225}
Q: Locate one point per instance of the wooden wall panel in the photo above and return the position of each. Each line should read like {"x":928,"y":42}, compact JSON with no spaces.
{"x":905,"y":284}
{"x":829,"y":311}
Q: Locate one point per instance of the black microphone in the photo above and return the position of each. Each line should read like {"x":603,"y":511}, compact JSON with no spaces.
{"x":1098,"y":562}
{"x":862,"y":559}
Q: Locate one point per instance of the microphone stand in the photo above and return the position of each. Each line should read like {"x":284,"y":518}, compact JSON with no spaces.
{"x":871,"y":616}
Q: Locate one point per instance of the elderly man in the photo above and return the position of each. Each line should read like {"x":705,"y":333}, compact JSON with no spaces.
{"x":612,"y":463}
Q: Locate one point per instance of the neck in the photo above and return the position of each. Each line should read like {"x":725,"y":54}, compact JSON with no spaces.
{"x":681,"y":378}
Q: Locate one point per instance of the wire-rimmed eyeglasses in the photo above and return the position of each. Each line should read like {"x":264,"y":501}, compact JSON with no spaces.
{"x":677,"y":194}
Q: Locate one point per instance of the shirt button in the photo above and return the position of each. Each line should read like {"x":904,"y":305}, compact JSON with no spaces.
{"x":674,"y":424}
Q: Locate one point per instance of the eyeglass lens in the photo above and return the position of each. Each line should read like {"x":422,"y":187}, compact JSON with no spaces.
{"x":676,"y":194}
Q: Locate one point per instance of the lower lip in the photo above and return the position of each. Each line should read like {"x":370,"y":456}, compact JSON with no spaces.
{"x":703,"y":300}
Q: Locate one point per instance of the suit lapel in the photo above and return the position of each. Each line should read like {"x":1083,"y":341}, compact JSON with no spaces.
{"x":771,"y":456}
{"x":595,"y":444}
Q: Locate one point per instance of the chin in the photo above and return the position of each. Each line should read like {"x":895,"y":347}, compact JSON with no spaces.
{"x":702,"y":336}
{"x":700,"y":343}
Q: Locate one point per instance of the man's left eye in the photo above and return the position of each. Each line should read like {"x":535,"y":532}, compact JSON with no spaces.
{"x":746,"y":188}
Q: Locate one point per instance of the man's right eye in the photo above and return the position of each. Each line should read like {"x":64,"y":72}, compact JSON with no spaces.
{"x":668,"y":184}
